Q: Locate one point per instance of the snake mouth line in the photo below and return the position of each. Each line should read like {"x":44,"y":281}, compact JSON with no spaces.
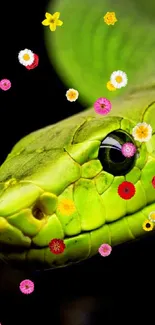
{"x":126,"y":223}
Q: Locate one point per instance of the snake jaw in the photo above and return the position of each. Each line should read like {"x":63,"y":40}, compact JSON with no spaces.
{"x":29,"y":237}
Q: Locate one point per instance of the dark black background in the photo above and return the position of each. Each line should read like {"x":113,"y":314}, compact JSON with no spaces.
{"x":100,"y":290}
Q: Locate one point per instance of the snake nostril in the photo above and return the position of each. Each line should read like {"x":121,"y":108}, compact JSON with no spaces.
{"x":37,"y":213}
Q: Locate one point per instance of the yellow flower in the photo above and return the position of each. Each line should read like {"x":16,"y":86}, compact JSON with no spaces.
{"x":148,"y":225}
{"x":142,"y":132}
{"x":72,"y":95}
{"x":66,"y":207}
{"x":110,"y":18}
{"x":152,"y":216}
{"x":52,"y":21}
{"x":110,"y":86}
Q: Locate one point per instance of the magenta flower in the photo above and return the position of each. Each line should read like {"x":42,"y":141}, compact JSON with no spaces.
{"x":5,"y":84}
{"x":128,"y":149}
{"x":105,"y":250}
{"x":26,"y":287}
{"x":102,"y":106}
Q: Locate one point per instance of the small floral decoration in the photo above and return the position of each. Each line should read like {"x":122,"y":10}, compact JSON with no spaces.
{"x":110,"y":86}
{"x":57,"y":246}
{"x":34,"y":64}
{"x":72,"y":95}
{"x":126,"y":190}
{"x":148,"y":225}
{"x":142,"y":132}
{"x":105,"y":250}
{"x":119,"y":79}
{"x":5,"y":84}
{"x":52,"y":21}
{"x":26,"y":57}
{"x":110,"y":18}
{"x":128,"y":149}
{"x":66,"y":207}
{"x":102,"y":106}
{"x":153,"y":181}
{"x":26,"y":286}
{"x":152,"y":216}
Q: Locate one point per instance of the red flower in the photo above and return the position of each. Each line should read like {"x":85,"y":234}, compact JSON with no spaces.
{"x":126,"y":190}
{"x":153,"y":181}
{"x":57,"y":246}
{"x":34,"y":64}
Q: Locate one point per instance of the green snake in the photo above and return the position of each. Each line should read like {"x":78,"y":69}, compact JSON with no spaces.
{"x":61,"y":163}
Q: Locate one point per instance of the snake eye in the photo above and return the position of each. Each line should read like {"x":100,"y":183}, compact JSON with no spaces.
{"x":110,"y":154}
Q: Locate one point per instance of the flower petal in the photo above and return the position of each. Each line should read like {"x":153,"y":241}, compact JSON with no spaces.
{"x":52,"y":27}
{"x":56,"y":15}
{"x":59,"y":23}
{"x":48,"y":16}
{"x":45,"y":22}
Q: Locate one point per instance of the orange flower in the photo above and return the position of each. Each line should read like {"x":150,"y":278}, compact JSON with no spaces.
{"x":66,"y":207}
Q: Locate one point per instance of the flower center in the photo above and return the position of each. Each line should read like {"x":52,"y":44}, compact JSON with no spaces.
{"x":66,"y":206}
{"x":72,"y":94}
{"x":52,"y":20}
{"x":102,"y":105}
{"x":119,"y":79}
{"x":143,"y":131}
{"x":126,"y":190}
{"x":147,"y":225}
{"x":26,"y":57}
{"x":56,"y":246}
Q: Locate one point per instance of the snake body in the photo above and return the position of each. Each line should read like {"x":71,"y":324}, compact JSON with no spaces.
{"x":53,"y":184}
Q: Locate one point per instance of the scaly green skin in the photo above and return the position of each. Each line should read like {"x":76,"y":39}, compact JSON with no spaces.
{"x":61,"y":161}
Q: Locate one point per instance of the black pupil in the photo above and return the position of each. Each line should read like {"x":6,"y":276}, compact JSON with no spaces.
{"x":110,"y":155}
{"x":117,"y":158}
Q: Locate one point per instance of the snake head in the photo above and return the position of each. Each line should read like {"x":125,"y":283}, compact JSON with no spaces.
{"x":61,"y":182}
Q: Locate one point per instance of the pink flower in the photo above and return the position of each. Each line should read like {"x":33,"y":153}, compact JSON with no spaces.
{"x":5,"y":84}
{"x":105,"y":250}
{"x":26,"y":287}
{"x":128,"y":149}
{"x":102,"y":106}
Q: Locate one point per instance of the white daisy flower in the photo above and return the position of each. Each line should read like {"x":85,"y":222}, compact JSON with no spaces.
{"x":26,"y":57}
{"x":119,"y":79}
